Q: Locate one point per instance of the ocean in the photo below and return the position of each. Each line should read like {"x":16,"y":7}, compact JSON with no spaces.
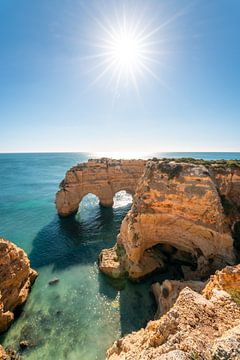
{"x":82,"y":315}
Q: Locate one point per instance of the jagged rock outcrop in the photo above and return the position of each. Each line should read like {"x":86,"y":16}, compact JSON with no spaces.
{"x":228,"y":182}
{"x":198,"y":326}
{"x":16,"y":278}
{"x":177,"y":216}
{"x":3,"y":355}
{"x":227,"y":279}
{"x":8,"y":355}
{"x":167,"y":293}
{"x":101,"y":177}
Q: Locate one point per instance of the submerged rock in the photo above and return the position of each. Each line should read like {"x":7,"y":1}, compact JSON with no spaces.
{"x":196,"y":327}
{"x":8,"y":354}
{"x":53,"y":281}
{"x":16,"y":278}
{"x":24,"y":344}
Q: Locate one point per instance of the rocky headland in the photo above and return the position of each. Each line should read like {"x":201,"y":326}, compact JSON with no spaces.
{"x":198,"y":326}
{"x":16,"y":279}
{"x":183,"y":213}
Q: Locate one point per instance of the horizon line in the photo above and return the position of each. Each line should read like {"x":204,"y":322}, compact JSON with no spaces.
{"x":118,"y":152}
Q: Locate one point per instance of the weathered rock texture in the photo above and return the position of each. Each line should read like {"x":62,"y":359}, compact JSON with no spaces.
{"x":167,"y":293}
{"x":179,"y":214}
{"x":228,"y":182}
{"x":8,"y":354}
{"x":102,"y":177}
{"x":198,"y":326}
{"x":227,"y":279}
{"x":16,"y":278}
{"x":3,"y":355}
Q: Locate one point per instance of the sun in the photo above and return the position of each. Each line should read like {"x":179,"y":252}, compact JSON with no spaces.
{"x":130,"y":44}
{"x":125,"y":51}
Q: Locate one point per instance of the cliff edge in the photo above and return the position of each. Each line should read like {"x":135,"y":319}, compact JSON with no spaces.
{"x":203,"y":327}
{"x":16,"y":278}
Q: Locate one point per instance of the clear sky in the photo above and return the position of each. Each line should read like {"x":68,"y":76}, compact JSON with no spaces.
{"x":60,"y":92}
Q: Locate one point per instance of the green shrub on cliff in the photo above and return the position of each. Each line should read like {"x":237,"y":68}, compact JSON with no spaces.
{"x":234,"y":163}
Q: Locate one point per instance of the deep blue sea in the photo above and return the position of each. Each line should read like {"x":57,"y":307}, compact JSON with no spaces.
{"x":80,"y":317}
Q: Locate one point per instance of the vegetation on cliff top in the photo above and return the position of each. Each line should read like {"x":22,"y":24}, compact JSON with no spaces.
{"x":234,"y":293}
{"x":234,"y":163}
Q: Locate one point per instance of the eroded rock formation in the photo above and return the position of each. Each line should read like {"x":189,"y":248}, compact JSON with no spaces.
{"x":167,"y":293}
{"x":101,"y":177}
{"x":3,"y":355}
{"x":198,"y":326}
{"x":16,"y":278}
{"x":178,"y":215}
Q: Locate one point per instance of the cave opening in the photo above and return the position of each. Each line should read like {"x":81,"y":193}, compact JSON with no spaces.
{"x":173,"y":258}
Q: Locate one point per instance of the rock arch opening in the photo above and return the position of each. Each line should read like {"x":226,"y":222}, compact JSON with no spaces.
{"x":88,"y":206}
{"x":122,"y":198}
{"x":103,"y":177}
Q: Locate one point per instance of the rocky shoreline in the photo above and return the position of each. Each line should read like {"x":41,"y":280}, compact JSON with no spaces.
{"x":16,"y":279}
{"x":202,"y":326}
{"x":185,"y":215}
{"x":182,"y":214}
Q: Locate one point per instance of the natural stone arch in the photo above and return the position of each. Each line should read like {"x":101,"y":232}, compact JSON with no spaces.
{"x":178,"y":205}
{"x":102,"y":177}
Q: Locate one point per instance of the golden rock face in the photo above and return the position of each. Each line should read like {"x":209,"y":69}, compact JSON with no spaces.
{"x":228,"y":280}
{"x":178,"y":212}
{"x":196,"y":327}
{"x":181,"y":211}
{"x":16,"y":278}
{"x":3,"y":355}
{"x":102,"y":177}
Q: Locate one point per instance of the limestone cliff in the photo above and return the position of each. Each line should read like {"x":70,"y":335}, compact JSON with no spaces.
{"x":101,"y":177}
{"x":16,"y":278}
{"x":203,"y":327}
{"x":167,"y":293}
{"x":3,"y":355}
{"x":178,"y":215}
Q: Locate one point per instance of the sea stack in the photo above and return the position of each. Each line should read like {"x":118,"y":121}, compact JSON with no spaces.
{"x":101,"y":177}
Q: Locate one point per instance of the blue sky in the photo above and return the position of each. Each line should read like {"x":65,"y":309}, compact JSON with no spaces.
{"x":50,"y":99}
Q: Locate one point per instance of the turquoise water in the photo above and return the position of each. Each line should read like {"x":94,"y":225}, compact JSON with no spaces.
{"x":79,"y":317}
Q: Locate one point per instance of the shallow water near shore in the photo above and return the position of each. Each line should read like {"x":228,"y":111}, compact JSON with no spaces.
{"x":80,"y":316}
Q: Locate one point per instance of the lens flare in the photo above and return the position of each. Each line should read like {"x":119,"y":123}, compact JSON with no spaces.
{"x":126,"y":50}
{"x":128,"y":47}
